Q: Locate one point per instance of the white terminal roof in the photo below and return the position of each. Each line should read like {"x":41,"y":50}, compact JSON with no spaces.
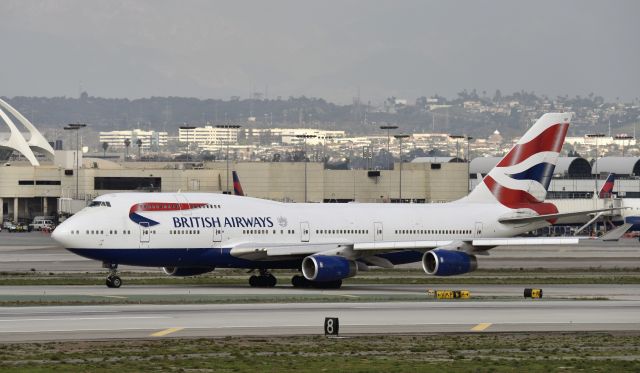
{"x":617,"y":165}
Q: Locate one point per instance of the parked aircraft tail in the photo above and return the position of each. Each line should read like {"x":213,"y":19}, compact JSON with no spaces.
{"x":237,"y":188}
{"x":607,"y":187}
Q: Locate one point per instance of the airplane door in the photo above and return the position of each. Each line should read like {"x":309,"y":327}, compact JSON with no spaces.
{"x":304,"y":231}
{"x":144,"y":234}
{"x":377,"y":231}
{"x":217,"y":234}
{"x":478,"y":231}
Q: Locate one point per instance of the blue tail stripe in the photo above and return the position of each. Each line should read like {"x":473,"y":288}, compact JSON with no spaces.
{"x":542,"y":173}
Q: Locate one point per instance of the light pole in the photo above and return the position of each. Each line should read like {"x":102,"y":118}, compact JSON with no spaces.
{"x":305,"y":137}
{"x":324,"y":148}
{"x":457,"y":138}
{"x":76,"y":127}
{"x":623,"y":137}
{"x":228,"y":127}
{"x":187,"y":128}
{"x":597,"y":176}
{"x":388,"y":128}
{"x":469,"y":138}
{"x":400,"y":137}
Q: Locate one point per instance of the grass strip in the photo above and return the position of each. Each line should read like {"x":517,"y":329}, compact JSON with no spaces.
{"x":482,"y":352}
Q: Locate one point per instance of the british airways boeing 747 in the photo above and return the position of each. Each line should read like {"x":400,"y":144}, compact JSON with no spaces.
{"x":194,"y":233}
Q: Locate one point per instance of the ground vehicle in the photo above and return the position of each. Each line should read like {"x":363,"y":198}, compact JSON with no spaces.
{"x":43,"y":224}
{"x":20,"y":227}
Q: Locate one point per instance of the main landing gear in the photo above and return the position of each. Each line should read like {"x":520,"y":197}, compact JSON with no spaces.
{"x":264,"y":280}
{"x":113,"y":280}
{"x":301,"y":282}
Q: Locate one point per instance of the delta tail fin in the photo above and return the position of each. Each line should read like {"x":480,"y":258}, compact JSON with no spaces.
{"x":237,"y":188}
{"x":607,"y":188}
{"x":522,"y":177}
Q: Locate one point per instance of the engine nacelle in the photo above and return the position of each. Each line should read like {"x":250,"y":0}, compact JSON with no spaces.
{"x":324,"y":268}
{"x":186,"y":271}
{"x":442,"y":262}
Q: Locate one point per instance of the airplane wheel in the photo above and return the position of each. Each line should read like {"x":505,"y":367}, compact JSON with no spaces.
{"x":296,"y":281}
{"x":300,"y":282}
{"x":328,"y":284}
{"x":270,"y":281}
{"x":116,"y":282}
{"x":254,"y":281}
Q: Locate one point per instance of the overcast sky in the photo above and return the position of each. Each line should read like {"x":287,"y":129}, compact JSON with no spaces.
{"x":329,"y":49}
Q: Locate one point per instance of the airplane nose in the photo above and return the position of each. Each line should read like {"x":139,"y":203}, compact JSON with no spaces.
{"x":57,"y":234}
{"x":61,"y":235}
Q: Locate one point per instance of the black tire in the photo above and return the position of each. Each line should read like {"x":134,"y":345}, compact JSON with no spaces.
{"x":108,"y":282}
{"x":298,"y":281}
{"x":254,"y":281}
{"x":328,"y":284}
{"x":116,"y":281}
{"x":270,"y":281}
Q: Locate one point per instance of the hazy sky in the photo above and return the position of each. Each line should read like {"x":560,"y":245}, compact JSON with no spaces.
{"x":329,"y":49}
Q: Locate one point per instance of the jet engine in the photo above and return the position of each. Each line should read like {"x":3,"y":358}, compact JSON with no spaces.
{"x":324,"y":268}
{"x":186,"y":271}
{"x":440,"y":262}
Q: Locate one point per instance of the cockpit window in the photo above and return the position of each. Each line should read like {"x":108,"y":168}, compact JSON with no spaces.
{"x":100,"y":203}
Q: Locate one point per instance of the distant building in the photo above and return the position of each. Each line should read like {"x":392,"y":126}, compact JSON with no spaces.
{"x":287,"y":136}
{"x":209,"y":135}
{"x":151,"y":140}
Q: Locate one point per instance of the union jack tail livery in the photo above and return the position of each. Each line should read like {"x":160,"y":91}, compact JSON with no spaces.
{"x":521,"y":179}
{"x":237,"y":188}
{"x":607,"y":188}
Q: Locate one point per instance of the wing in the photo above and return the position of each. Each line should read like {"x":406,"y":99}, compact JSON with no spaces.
{"x":257,"y":251}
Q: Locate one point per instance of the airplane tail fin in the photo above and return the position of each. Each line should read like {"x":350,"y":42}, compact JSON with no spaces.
{"x":237,"y":188}
{"x":607,"y":187}
{"x":522,"y":177}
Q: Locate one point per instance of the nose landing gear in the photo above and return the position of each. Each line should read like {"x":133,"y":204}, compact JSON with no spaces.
{"x":113,"y":280}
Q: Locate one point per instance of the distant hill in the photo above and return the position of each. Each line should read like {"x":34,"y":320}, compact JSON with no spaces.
{"x":448,"y":116}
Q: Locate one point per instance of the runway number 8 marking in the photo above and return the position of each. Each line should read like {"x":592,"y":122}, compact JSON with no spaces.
{"x":331,"y":326}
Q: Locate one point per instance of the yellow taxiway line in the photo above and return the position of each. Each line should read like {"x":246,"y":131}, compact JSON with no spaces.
{"x":480,"y":327}
{"x":162,"y":333}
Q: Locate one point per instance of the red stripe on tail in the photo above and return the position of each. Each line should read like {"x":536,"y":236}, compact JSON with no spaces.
{"x":550,"y":140}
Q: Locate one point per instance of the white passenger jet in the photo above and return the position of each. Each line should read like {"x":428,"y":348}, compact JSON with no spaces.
{"x":194,"y":233}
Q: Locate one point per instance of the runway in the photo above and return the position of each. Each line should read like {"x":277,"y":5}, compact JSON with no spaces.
{"x":610,"y":292}
{"x":161,"y":321}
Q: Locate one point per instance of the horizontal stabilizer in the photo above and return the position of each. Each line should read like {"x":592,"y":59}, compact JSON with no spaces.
{"x":527,"y":218}
{"x":615,"y":234}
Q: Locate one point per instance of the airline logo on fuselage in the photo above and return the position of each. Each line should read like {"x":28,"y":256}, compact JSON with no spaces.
{"x":136,"y":215}
{"x":219,"y":222}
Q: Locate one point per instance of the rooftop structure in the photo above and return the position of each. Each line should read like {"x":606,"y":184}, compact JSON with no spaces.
{"x":16,"y":141}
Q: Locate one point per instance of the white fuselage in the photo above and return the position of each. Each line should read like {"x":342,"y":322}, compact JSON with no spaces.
{"x":225,"y":221}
